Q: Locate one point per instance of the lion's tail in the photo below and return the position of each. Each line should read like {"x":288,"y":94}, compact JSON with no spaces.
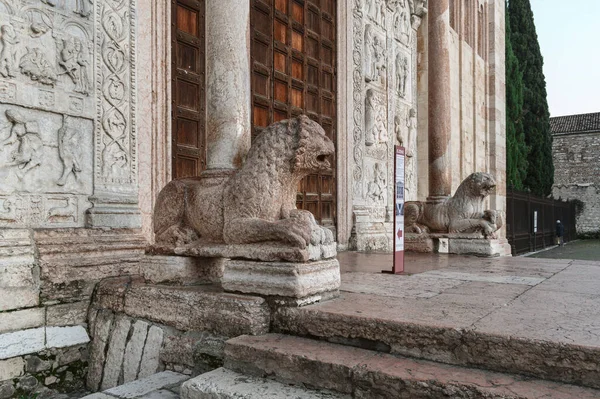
{"x":170,"y":206}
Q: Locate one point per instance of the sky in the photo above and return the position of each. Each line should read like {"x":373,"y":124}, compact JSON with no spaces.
{"x":569,"y":36}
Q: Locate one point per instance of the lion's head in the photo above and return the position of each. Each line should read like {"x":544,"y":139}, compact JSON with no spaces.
{"x":314,"y":147}
{"x":478,"y":184}
{"x":297,"y":146}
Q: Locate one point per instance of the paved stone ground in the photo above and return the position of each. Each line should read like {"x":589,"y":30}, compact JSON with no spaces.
{"x":581,"y":250}
{"x":529,"y":297}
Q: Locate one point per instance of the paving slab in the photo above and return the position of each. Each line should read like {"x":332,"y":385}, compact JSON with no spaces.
{"x":226,"y":384}
{"x":146,"y":385}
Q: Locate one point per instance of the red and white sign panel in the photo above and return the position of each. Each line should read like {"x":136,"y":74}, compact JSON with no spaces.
{"x":399,"y":211}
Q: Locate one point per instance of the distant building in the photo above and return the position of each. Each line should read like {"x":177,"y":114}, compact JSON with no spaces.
{"x":576,"y":152}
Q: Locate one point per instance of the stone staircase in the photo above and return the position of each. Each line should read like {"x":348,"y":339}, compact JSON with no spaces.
{"x":284,"y":366}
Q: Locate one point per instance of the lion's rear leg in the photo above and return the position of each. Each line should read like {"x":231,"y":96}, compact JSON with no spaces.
{"x":169,"y":224}
{"x":296,"y":230}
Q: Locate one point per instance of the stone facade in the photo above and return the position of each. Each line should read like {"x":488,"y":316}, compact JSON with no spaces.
{"x":384,"y":99}
{"x":82,"y":160}
{"x":68,"y":180}
{"x":576,"y":154}
{"x":475,"y":93}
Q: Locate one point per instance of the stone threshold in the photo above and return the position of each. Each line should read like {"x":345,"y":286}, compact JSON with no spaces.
{"x":164,"y":385}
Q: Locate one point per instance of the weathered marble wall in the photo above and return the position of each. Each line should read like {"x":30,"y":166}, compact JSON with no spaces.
{"x":577,"y":175}
{"x":384,"y":113}
{"x":68,"y":179}
{"x":477,"y":97}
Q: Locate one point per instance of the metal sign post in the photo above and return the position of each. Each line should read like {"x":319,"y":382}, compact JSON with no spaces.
{"x":398,"y":267}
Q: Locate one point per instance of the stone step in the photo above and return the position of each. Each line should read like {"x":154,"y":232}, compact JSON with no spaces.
{"x":376,"y":323}
{"x":370,"y":374}
{"x":226,"y":384}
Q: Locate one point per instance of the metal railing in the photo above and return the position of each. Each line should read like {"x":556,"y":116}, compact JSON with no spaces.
{"x":531,"y":221}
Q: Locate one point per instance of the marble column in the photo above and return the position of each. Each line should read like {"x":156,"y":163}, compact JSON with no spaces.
{"x":228,"y":93}
{"x":440,"y":178}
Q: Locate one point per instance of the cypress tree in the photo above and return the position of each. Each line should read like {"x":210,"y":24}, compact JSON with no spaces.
{"x":516,"y":148}
{"x":536,"y":117}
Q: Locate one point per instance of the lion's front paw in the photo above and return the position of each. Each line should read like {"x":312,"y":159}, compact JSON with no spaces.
{"x":297,"y":229}
{"x":321,"y":235}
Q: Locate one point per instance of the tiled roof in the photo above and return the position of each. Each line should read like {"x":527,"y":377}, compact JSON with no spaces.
{"x":575,"y":123}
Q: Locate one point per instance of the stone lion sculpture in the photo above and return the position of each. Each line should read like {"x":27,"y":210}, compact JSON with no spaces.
{"x":462,"y":213}
{"x":256,"y":203}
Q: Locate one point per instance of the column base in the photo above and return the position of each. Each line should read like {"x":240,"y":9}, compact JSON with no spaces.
{"x":282,"y":279}
{"x":117,"y":213}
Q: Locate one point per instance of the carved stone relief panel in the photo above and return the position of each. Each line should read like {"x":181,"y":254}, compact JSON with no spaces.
{"x":67,"y":109}
{"x":46,"y":144}
{"x":384,"y":93}
{"x":45,"y":164}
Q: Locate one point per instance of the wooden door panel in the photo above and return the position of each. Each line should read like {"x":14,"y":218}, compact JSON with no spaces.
{"x":188,"y":88}
{"x":293,"y":72}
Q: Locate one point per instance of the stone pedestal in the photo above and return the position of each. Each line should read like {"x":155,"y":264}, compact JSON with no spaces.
{"x":181,"y":270}
{"x":282,"y":279}
{"x":479,"y":247}
{"x":464,"y":244}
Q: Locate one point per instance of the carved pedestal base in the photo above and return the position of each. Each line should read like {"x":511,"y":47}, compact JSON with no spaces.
{"x":116,"y":213}
{"x":419,"y":243}
{"x":459,"y":244}
{"x":282,"y":279}
{"x":479,"y":247}
{"x":371,"y":232}
{"x":181,"y":270}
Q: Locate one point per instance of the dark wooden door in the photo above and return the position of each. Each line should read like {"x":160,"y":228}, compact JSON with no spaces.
{"x":188,"y":108}
{"x":293,"y":72}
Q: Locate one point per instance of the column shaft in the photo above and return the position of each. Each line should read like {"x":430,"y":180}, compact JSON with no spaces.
{"x":440,"y":178}
{"x":228,"y":90}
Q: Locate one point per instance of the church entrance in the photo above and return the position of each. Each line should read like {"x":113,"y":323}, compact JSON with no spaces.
{"x":293,"y":54}
{"x":188,"y":143}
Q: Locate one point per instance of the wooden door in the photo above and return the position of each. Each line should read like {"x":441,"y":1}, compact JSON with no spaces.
{"x":293,"y":72}
{"x":188,"y":106}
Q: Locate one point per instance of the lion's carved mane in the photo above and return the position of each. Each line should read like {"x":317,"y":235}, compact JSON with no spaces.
{"x":254,"y":204}
{"x":462,"y":213}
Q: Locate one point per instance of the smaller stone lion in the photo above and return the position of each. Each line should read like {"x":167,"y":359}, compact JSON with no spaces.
{"x":256,"y":203}
{"x":462,"y":213}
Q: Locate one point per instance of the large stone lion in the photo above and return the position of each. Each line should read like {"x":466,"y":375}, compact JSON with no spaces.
{"x":462,"y":213}
{"x":254,"y":204}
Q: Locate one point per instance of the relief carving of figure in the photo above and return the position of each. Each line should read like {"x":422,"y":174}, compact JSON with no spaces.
{"x":28,"y":153}
{"x":35,"y":65}
{"x":68,"y":148}
{"x":8,"y":54}
{"x":377,"y":188}
{"x":402,"y":23}
{"x":374,"y":56}
{"x":258,"y":202}
{"x":411,"y":155}
{"x":83,"y":8}
{"x":375,"y":126}
{"x":462,"y":213}
{"x":64,"y":213}
{"x":8,"y":211}
{"x":68,"y":61}
{"x":84,"y":64}
{"x":376,"y":11}
{"x":401,"y":74}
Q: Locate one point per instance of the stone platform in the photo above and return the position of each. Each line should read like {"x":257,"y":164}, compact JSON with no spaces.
{"x":514,"y":315}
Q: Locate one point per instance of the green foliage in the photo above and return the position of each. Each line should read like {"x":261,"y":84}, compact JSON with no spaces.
{"x":535,"y":114}
{"x":516,"y":147}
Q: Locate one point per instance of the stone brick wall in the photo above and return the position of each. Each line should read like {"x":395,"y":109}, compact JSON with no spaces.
{"x":577,"y":175}
{"x":47,"y":278}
